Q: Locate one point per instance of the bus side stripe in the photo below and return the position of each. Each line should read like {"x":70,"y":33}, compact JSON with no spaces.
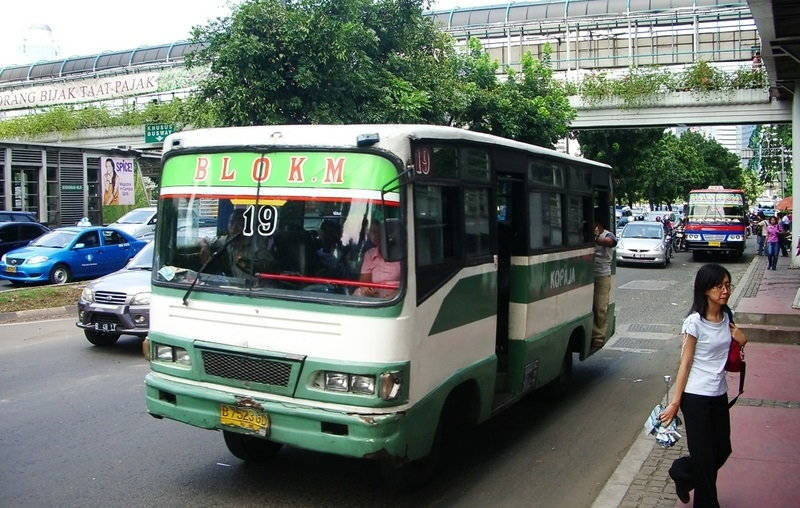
{"x":471,"y":299}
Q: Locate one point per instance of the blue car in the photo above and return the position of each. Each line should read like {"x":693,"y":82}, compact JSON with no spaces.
{"x":70,"y":253}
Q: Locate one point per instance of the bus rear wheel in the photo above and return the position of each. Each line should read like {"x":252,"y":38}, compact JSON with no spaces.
{"x":249,"y":448}
{"x":559,"y":386}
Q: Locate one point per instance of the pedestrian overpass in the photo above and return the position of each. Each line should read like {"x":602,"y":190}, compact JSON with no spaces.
{"x":739,"y":107}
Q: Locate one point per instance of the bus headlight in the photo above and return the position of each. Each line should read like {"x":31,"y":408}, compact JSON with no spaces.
{"x":337,"y":381}
{"x":390,"y":384}
{"x":163,"y":353}
{"x":735,"y":238}
{"x":359,"y":384}
{"x":363,"y":385}
{"x":693,"y":236}
{"x":172,"y":354}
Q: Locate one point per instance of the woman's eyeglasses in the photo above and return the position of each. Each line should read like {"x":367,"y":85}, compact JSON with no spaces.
{"x":723,"y":287}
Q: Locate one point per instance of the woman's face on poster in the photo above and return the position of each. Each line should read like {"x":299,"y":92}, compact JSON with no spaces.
{"x":108,"y":173}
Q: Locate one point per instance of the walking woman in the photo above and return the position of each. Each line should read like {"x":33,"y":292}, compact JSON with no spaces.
{"x":700,"y":387}
{"x":773,"y":243}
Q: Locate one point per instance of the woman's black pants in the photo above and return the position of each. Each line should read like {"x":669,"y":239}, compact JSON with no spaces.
{"x":708,"y":435}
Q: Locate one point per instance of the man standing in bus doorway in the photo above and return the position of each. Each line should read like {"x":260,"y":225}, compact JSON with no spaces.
{"x":604,"y":243}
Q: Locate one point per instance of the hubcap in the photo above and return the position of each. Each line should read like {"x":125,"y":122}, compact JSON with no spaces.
{"x":60,"y":276}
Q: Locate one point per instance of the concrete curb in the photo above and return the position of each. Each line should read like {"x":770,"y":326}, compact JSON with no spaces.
{"x":743,"y":283}
{"x":39,"y":314}
{"x":620,"y":481}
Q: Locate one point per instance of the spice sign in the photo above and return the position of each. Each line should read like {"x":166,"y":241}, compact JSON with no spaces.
{"x":156,"y":132}
{"x":117,"y":177}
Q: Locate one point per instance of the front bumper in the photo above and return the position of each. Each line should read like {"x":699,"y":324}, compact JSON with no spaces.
{"x":25,"y":273}
{"x":722,"y":247}
{"x":640,"y":257}
{"x":127,"y":319}
{"x":355,"y":435}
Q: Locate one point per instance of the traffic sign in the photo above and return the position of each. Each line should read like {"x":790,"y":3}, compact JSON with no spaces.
{"x":156,"y":132}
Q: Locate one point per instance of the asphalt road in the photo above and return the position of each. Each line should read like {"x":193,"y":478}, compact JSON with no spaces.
{"x":74,"y":431}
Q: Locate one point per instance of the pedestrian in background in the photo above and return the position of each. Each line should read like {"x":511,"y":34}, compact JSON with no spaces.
{"x":786,"y":228}
{"x":773,"y":238}
{"x":761,"y":230}
{"x":701,"y":391}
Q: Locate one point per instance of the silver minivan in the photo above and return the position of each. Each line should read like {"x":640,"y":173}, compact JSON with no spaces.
{"x":118,"y":303}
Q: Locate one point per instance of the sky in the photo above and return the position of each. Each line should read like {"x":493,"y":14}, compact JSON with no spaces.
{"x":86,"y":27}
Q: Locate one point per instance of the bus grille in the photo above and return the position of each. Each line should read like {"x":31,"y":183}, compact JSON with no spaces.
{"x":247,"y":368}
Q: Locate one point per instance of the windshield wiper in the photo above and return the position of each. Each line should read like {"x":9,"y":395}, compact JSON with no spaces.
{"x":205,"y":265}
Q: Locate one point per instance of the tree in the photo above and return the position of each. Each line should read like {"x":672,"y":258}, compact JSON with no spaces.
{"x":529,"y":106}
{"x":325,"y":61}
{"x":625,"y":150}
{"x":365,"y":61}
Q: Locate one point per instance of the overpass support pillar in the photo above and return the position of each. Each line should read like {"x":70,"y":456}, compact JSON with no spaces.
{"x":795,"y":173}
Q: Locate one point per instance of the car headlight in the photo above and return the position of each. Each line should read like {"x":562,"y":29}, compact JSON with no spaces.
{"x":3,"y":259}
{"x":35,"y":260}
{"x":172,"y":354}
{"x":141,"y":299}
{"x":87,"y":295}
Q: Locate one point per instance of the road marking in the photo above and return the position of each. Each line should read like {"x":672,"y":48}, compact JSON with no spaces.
{"x":648,"y":285}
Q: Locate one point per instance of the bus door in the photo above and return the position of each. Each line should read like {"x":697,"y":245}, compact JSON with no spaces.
{"x":510,"y":233}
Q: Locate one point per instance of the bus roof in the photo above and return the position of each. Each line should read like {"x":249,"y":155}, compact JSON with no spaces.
{"x":393,"y":138}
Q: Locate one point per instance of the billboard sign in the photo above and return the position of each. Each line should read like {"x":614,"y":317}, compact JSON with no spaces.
{"x":117,"y":176}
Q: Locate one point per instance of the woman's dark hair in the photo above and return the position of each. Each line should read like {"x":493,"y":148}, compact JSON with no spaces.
{"x":707,"y":277}
{"x":773,"y":218}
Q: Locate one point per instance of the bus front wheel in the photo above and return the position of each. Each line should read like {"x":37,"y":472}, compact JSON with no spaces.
{"x":249,"y":448}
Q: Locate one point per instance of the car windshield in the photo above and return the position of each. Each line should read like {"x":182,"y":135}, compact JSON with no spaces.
{"x":143,"y":260}
{"x":282,"y":240}
{"x":642,"y":231}
{"x":135,"y":217}
{"x":718,"y":207}
{"x":55,"y":239}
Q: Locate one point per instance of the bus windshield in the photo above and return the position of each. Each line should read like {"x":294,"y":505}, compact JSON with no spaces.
{"x":277,"y":239}
{"x":716,"y":207}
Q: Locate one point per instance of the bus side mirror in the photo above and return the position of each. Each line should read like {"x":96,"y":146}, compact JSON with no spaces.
{"x":393,"y":247}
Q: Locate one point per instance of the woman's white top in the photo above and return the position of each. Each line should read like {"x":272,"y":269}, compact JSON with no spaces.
{"x":707,"y":376}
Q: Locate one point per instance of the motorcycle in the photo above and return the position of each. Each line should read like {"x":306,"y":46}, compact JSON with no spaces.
{"x":680,"y":240}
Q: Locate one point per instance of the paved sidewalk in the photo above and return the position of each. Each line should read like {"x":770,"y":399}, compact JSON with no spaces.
{"x":765,"y":422}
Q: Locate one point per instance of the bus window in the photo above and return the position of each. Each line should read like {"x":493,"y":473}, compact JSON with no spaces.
{"x":476,"y":223}
{"x":546,"y":220}
{"x":435,"y":215}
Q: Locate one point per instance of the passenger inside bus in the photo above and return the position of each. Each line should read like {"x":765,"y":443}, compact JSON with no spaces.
{"x":239,"y":258}
{"x":376,"y":269}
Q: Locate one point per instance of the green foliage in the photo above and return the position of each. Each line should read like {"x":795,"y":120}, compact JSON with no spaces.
{"x":325,"y":61}
{"x":641,"y":84}
{"x":772,"y":148}
{"x":623,"y":150}
{"x":68,"y":118}
{"x":661,"y":168}
{"x":528,"y":106}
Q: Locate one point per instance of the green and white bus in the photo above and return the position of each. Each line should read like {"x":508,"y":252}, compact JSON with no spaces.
{"x":359,"y":289}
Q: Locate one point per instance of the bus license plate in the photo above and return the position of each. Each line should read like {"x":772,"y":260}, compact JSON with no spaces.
{"x":105,"y":327}
{"x":713,"y":244}
{"x":11,"y":269}
{"x":244,"y":418}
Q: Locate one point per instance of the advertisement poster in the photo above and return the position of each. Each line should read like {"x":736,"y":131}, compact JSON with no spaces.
{"x":117,"y":177}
